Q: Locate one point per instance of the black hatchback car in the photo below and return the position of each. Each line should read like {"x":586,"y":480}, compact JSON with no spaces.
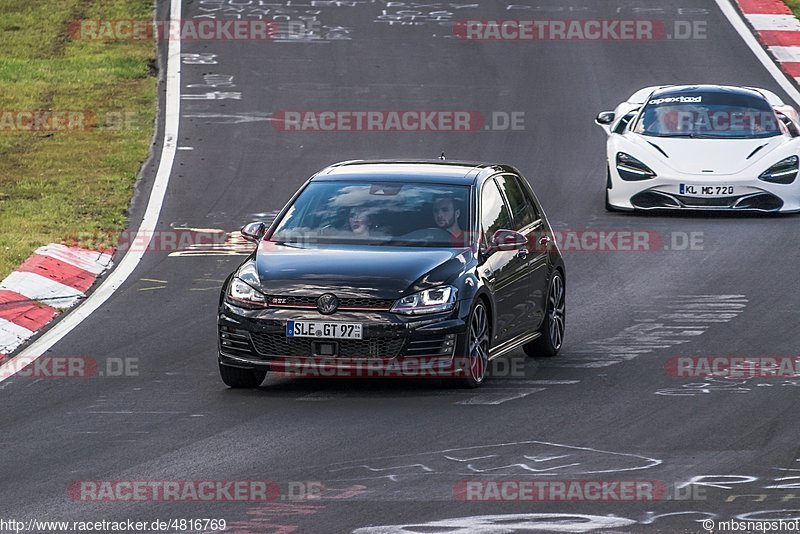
{"x":401,"y":268}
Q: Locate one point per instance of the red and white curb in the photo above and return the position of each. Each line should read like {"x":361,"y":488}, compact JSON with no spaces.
{"x":777,"y":29}
{"x":53,"y":278}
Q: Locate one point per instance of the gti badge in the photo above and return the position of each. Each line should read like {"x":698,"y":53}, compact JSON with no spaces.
{"x":327,"y":303}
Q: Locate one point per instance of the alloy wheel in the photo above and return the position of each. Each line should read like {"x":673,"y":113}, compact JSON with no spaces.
{"x":478,"y":343}
{"x":556,"y":310}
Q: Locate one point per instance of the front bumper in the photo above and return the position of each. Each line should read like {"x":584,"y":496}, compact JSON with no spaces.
{"x":664,"y":193}
{"x":390,"y":344}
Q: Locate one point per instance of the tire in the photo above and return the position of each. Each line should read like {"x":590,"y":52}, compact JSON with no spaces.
{"x":609,"y":207}
{"x":549,"y":343}
{"x":238,"y":378}
{"x":477,"y":344}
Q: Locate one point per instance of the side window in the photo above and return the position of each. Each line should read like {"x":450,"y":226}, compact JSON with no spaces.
{"x":624,"y":121}
{"x":521,"y":208}
{"x":526,"y":191}
{"x":494,"y":213}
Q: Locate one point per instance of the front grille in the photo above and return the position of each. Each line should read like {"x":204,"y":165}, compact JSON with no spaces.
{"x":234,"y":342}
{"x":658,"y":199}
{"x":761,"y":201}
{"x":653,"y":199}
{"x":350,"y":303}
{"x":706,"y":202}
{"x":431,"y":346}
{"x":279,"y":345}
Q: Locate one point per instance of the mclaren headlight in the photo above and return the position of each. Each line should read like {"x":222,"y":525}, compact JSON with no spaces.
{"x":243,"y":294}
{"x":435,"y":300}
{"x":783,"y":172}
{"x":631,"y":169}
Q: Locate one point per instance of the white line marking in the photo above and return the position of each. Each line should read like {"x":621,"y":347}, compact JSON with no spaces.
{"x":651,"y":462}
{"x":587,"y":365}
{"x":493,"y":399}
{"x":316,"y":396}
{"x":37,"y":287}
{"x":524,"y":522}
{"x":129,"y":412}
{"x":744,"y":32}
{"x":515,"y":381}
{"x":132,"y":258}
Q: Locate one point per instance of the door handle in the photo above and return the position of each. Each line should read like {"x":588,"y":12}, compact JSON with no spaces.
{"x":522,"y":253}
{"x":544,"y":241}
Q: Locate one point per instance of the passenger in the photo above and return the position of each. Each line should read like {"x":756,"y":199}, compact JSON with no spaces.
{"x":446,"y":213}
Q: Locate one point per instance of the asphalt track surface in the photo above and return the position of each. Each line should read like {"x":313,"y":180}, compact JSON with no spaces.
{"x":391,"y":452}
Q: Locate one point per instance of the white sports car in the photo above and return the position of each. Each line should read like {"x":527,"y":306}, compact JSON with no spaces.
{"x":708,"y":147}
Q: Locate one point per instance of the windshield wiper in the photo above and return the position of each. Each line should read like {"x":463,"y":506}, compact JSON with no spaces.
{"x":691,"y":135}
{"x":695,"y":135}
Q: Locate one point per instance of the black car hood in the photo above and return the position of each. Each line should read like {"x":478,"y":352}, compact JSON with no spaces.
{"x":355,"y":271}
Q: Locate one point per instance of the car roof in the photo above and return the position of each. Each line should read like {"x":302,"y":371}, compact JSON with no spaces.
{"x":705,"y":88}
{"x":430,"y":171}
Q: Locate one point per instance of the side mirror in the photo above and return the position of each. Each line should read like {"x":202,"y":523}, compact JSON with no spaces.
{"x":605,"y":118}
{"x":508,"y":240}
{"x":254,"y":231}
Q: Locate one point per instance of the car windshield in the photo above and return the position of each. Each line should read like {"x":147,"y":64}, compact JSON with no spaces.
{"x":710,"y":115}
{"x":378,"y":213}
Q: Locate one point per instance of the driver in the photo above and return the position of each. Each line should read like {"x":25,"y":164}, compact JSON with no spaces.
{"x":446,"y":213}
{"x":360,"y":220}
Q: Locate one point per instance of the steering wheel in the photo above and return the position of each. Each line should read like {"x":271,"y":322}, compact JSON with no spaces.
{"x":426,"y":234}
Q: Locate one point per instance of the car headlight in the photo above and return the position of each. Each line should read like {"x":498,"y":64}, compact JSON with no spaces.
{"x":429,"y":301}
{"x":783,"y":172}
{"x":631,"y":169}
{"x":240,"y":292}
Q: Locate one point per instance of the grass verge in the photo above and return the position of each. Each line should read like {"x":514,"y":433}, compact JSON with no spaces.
{"x":58,"y":183}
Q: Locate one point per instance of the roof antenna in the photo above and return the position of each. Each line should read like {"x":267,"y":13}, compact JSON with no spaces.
{"x":442,"y":156}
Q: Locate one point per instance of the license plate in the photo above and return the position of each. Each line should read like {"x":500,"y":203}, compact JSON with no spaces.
{"x":323,"y":330}
{"x":706,"y":190}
